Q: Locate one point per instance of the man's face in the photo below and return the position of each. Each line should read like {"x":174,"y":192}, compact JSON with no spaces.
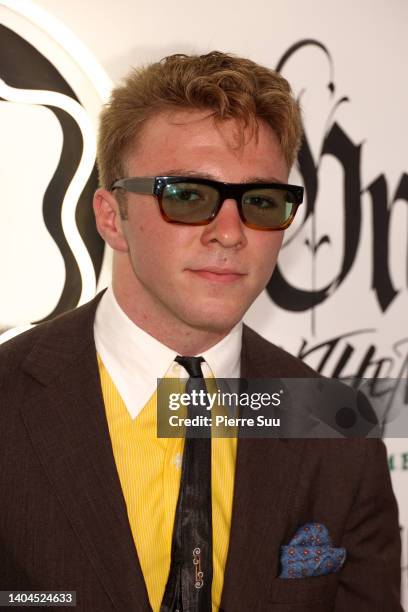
{"x":205,"y":277}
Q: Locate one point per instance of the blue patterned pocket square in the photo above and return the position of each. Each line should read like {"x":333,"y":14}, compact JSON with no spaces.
{"x":310,"y":553}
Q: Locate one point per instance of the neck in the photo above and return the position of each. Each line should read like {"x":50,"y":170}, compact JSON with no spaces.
{"x":157,"y":321}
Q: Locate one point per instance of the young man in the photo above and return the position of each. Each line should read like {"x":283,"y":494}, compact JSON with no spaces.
{"x":194,"y":156}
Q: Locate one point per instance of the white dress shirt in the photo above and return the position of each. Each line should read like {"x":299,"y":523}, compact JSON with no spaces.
{"x":135,"y":360}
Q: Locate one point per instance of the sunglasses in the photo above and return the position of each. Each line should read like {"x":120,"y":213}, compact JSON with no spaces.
{"x":197,"y":201}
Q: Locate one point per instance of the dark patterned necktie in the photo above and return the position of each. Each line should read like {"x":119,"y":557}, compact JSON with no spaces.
{"x":188,"y":587}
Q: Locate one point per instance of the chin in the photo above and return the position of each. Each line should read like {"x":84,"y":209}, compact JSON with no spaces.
{"x":214,"y":322}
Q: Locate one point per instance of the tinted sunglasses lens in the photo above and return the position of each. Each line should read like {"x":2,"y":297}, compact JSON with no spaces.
{"x":268,"y":208}
{"x":189,"y":202}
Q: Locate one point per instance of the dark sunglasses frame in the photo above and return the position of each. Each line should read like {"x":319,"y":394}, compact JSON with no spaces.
{"x":154,"y":185}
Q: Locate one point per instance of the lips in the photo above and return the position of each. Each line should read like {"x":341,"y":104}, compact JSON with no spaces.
{"x":218,"y":275}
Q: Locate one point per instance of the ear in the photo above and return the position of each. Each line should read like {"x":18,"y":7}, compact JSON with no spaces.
{"x":108,"y":220}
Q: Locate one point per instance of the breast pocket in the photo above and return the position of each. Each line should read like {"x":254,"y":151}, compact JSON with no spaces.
{"x":316,"y":594}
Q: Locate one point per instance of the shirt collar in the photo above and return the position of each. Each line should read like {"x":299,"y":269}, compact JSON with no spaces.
{"x":134,"y":359}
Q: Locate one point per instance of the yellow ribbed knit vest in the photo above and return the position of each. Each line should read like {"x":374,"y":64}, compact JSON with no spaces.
{"x":149,"y":469}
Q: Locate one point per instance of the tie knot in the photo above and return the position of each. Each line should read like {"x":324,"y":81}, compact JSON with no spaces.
{"x":192,"y":365}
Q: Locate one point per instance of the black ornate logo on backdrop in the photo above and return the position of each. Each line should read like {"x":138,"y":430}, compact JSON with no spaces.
{"x":338,"y":144}
{"x":23,"y":67}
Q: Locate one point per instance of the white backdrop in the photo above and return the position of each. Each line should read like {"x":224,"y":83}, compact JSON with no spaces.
{"x":342,"y":301}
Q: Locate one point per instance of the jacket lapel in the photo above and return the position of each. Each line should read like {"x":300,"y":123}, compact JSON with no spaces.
{"x":64,"y":413}
{"x":265,"y":482}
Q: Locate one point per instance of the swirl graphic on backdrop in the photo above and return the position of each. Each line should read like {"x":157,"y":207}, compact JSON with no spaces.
{"x":36,"y":101}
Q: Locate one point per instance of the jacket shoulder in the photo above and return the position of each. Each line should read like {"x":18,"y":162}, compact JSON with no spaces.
{"x":74,"y":327}
{"x":261,"y":358}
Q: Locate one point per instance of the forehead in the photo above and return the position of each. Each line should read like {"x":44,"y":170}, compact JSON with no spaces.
{"x":193,"y":141}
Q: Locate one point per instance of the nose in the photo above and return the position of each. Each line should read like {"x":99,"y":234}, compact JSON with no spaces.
{"x":227,"y":228}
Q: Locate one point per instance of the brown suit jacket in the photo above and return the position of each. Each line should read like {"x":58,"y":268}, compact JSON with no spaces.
{"x":63,"y":519}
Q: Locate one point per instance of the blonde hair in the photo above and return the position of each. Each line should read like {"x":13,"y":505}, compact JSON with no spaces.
{"x":229,"y":86}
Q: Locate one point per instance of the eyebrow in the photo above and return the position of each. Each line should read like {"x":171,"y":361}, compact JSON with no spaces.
{"x":211,"y":177}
